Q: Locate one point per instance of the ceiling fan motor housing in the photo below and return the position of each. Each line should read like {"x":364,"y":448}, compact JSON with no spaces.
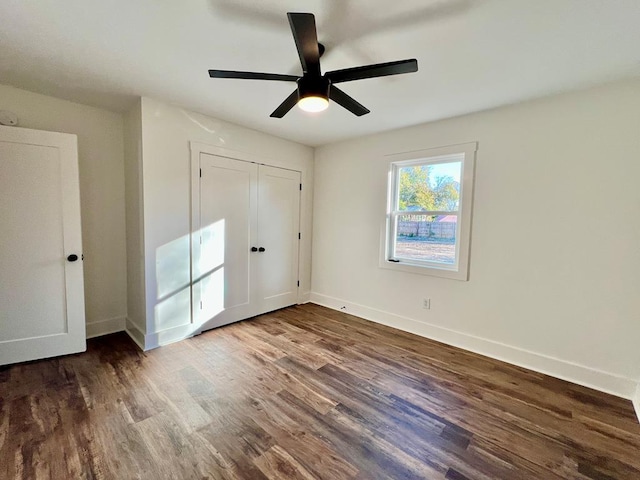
{"x":313,"y":87}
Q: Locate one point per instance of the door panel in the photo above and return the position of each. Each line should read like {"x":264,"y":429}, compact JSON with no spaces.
{"x":32,"y":269}
{"x":41,"y":293}
{"x":222,"y":270}
{"x":278,"y":228}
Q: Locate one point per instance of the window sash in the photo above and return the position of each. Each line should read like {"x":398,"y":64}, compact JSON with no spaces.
{"x":392,"y":216}
{"x":430,"y":213}
{"x":392,"y":243}
{"x":455,"y":158}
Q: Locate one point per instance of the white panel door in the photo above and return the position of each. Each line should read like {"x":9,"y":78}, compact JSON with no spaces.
{"x":227,"y":224}
{"x":245,"y":240}
{"x":278,"y":236}
{"x":41,"y":285}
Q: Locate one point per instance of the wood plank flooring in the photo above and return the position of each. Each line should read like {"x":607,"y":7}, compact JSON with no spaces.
{"x":305,"y":393}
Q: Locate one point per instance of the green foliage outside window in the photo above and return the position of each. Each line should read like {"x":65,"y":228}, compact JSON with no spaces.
{"x":418,"y":191}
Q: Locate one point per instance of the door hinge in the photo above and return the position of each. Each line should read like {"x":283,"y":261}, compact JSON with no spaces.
{"x":298,"y":282}
{"x":200,"y":173}
{"x":299,"y":235}
{"x":300,"y":187}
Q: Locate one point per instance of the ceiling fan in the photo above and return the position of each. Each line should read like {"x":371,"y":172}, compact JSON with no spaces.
{"x":314,"y":89}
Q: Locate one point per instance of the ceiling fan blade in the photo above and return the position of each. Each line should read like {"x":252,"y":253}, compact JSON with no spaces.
{"x":252,"y":75}
{"x":303,"y":28}
{"x":347,"y":102}
{"x":372,"y":71}
{"x":285,"y":106}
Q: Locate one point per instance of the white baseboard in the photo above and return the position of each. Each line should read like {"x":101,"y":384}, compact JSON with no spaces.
{"x":572,"y":372}
{"x":145,"y":342}
{"x":105,"y":327}
{"x":170,"y":335}
{"x":149,"y":341}
{"x":636,"y":401}
{"x":135,"y":333}
{"x":304,"y":298}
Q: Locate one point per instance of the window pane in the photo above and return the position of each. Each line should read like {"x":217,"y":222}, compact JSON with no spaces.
{"x":429,"y":187}
{"x":430,"y":238}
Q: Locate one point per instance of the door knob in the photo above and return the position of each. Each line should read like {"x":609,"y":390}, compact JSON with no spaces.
{"x":73,"y":257}
{"x":261,"y":249}
{"x":254,"y":249}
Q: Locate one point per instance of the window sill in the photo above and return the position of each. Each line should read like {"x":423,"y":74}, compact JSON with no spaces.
{"x":432,"y":271}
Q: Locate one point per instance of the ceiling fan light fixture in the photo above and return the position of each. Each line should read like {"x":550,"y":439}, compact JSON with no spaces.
{"x":313,"y":103}
{"x":313,"y":94}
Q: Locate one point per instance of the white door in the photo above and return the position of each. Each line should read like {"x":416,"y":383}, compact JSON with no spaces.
{"x":278,"y":236}
{"x":227,"y":224}
{"x":245,"y":242}
{"x":41,"y":282}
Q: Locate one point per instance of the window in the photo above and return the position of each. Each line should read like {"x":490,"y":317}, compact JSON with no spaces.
{"x":428,"y":221}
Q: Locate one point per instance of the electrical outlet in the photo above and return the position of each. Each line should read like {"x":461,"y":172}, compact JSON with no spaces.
{"x":426,"y":303}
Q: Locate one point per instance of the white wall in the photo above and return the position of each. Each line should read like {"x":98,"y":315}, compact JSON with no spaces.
{"x":100,"y":152}
{"x":136,"y":316}
{"x":555,"y":256}
{"x":166,"y":135}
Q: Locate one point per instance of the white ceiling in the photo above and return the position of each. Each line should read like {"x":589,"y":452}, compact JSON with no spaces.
{"x":472,"y":55}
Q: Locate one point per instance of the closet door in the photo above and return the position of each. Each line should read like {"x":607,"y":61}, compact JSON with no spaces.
{"x":245,"y":240}
{"x":278,"y":231}
{"x":221,"y":247}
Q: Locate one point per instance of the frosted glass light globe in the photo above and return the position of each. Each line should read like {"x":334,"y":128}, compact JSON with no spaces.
{"x":313,"y":104}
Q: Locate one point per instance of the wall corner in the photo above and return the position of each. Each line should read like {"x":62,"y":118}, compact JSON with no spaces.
{"x":636,"y":401}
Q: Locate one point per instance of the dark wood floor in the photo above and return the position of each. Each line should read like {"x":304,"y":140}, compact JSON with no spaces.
{"x":305,"y":393}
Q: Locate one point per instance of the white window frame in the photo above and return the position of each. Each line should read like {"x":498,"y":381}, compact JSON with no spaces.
{"x":464,"y":153}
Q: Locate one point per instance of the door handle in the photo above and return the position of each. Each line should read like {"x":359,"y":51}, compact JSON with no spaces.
{"x":261,"y":249}
{"x":254,"y":249}
{"x":73,"y":257}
